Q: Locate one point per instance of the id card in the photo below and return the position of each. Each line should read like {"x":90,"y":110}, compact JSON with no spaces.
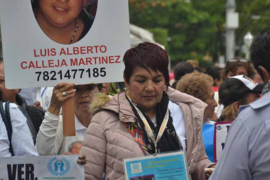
{"x":170,"y":166}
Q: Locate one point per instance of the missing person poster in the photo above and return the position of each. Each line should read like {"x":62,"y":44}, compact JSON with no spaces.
{"x":220,"y":137}
{"x":41,"y":168}
{"x":161,"y":167}
{"x":47,"y":42}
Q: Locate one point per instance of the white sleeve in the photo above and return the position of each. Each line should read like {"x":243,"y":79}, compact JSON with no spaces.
{"x":50,"y":135}
{"x":178,"y":122}
{"x":22,"y":141}
{"x":219,"y":111}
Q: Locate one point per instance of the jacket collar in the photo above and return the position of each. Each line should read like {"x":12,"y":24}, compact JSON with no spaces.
{"x":120,"y":105}
{"x":263,"y":101}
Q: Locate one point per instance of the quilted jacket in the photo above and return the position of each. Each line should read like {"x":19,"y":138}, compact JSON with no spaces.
{"x":108,"y":142}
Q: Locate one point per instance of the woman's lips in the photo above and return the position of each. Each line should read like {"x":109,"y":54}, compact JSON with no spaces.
{"x":83,"y":103}
{"x":148,"y":97}
{"x":60,"y":9}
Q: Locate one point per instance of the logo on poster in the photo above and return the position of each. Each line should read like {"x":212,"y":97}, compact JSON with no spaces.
{"x":136,"y":168}
{"x":58,"y":167}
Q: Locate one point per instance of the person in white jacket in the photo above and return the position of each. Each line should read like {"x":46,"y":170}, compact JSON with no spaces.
{"x":21,"y":141}
{"x":50,"y":139}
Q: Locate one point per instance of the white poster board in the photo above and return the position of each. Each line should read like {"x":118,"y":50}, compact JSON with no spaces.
{"x":41,"y":168}
{"x":32,"y":59}
{"x":220,"y":137}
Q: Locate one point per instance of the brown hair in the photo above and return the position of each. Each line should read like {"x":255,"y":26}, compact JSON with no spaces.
{"x":232,"y":67}
{"x":196,"y":84}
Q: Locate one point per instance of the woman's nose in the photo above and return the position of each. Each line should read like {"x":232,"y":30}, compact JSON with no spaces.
{"x":215,"y":103}
{"x":63,"y":1}
{"x":85,"y":93}
{"x":149,"y":86}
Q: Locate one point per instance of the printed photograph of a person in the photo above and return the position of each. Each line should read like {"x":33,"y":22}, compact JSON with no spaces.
{"x":64,"y":21}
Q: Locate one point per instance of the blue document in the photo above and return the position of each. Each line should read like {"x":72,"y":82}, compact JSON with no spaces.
{"x":169,"y":166}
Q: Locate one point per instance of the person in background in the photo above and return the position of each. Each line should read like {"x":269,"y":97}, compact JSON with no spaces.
{"x":246,"y":153}
{"x":235,"y":92}
{"x":50,"y":139}
{"x":117,"y":132}
{"x":194,"y":63}
{"x":215,"y":73}
{"x":234,"y":67}
{"x":181,"y":69}
{"x":238,"y":66}
{"x":21,"y":139}
{"x":33,"y":115}
{"x":199,"y":85}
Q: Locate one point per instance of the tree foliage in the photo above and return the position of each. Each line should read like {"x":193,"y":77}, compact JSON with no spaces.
{"x":198,"y":26}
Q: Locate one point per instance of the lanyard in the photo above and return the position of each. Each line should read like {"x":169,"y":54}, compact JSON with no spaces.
{"x":148,"y":129}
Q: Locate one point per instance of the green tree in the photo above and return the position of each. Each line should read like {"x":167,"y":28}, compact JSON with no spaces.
{"x":194,"y":28}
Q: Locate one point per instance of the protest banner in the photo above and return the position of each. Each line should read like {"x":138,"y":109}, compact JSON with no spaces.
{"x":41,"y":168}
{"x":35,"y":56}
{"x":220,"y":136}
{"x":32,"y":59}
{"x":162,"y":166}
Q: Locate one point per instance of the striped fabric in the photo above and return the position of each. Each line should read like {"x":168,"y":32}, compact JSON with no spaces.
{"x":137,"y":134}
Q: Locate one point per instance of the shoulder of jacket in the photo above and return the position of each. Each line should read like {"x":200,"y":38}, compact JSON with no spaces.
{"x":98,"y":102}
{"x":105,"y":118}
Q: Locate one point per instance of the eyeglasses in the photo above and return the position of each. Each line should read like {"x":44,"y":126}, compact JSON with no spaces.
{"x":237,"y":60}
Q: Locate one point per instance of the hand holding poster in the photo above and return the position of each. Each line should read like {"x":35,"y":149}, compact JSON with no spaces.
{"x":41,"y":168}
{"x":51,"y":42}
{"x":220,"y":136}
{"x":79,"y":41}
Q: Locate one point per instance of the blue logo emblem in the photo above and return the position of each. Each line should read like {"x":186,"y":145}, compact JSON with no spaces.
{"x":135,"y":166}
{"x":219,"y":127}
{"x":58,"y":167}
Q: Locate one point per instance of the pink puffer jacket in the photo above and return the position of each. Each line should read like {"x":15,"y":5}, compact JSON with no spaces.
{"x":108,"y":142}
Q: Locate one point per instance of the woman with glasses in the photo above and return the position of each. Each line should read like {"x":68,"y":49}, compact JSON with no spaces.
{"x":50,"y":139}
{"x":63,"y":21}
{"x":238,"y":66}
{"x":234,"y":67}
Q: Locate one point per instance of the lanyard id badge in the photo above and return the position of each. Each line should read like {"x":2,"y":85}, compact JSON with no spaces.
{"x":148,"y":129}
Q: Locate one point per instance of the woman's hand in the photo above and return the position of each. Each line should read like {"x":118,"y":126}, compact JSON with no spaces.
{"x":37,"y":105}
{"x":61,"y":93}
{"x":81,"y":160}
{"x":209,"y":171}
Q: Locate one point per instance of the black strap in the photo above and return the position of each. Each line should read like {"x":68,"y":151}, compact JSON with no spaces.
{"x":29,"y":123}
{"x":7,"y":122}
